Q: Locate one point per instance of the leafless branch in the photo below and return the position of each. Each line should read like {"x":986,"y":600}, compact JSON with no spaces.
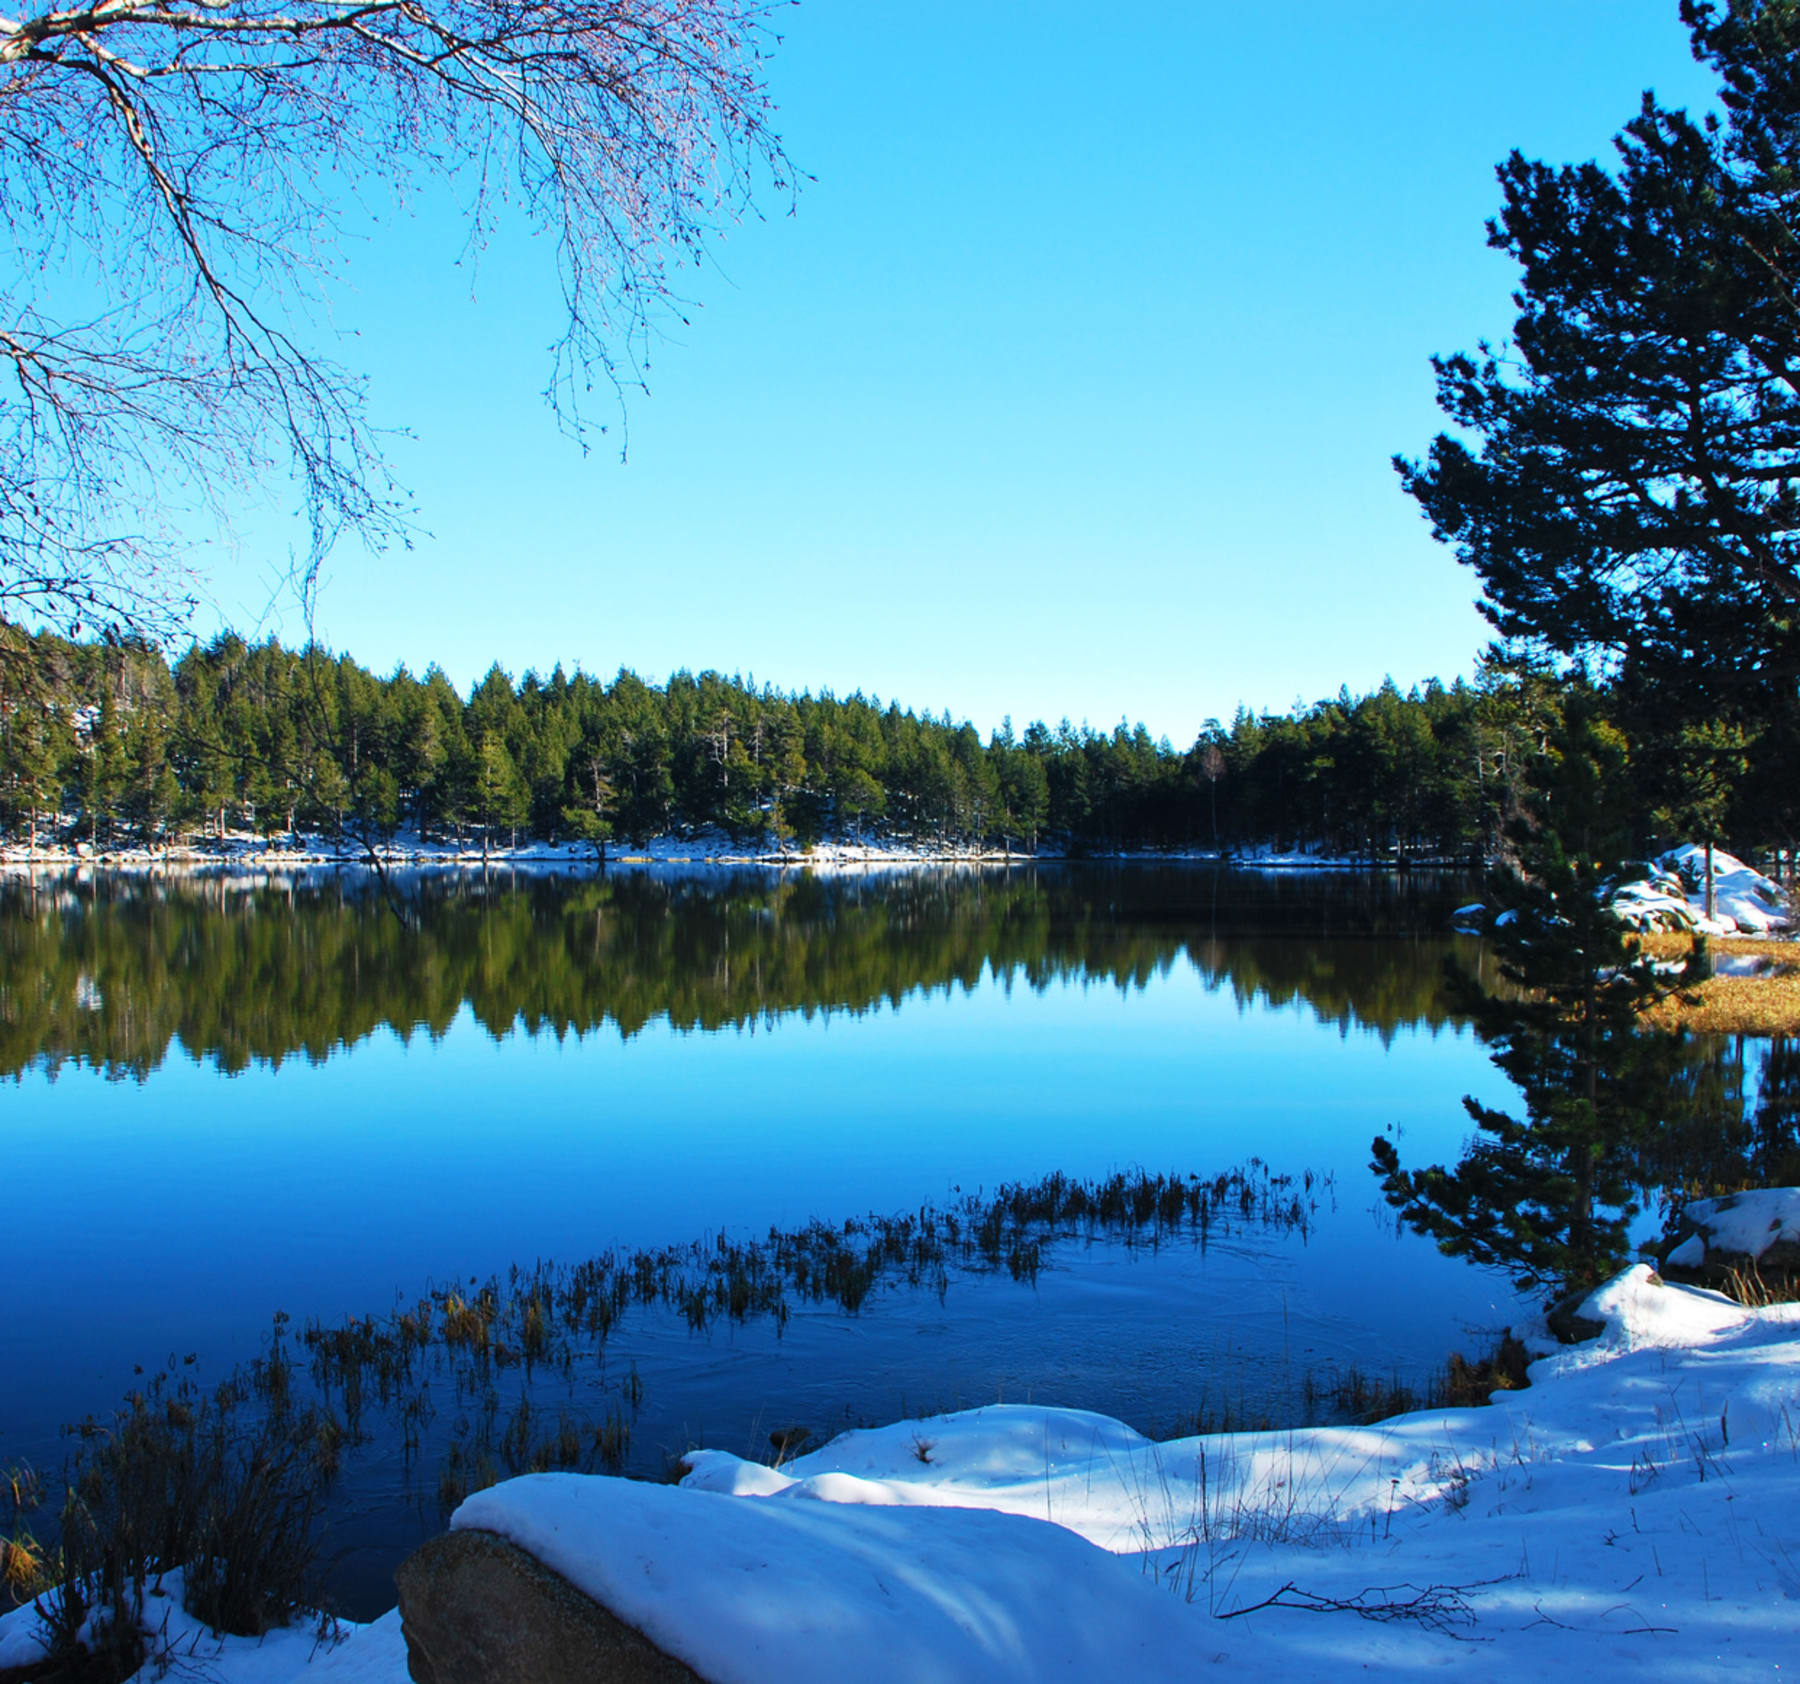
{"x":1445,"y":1609}
{"x":172,"y":177}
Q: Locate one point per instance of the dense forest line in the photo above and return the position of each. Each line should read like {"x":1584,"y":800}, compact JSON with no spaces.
{"x":109,"y":745}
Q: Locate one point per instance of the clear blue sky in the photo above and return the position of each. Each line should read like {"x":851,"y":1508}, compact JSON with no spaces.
{"x":1069,"y":388}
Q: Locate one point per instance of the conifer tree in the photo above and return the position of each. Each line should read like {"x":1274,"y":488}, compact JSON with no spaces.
{"x":1633,"y":494}
{"x":100,"y":772}
{"x":1550,"y":1196}
{"x":500,"y":796}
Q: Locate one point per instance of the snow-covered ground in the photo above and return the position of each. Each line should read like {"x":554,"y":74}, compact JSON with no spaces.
{"x":328,"y":1652}
{"x":1635,"y":1512}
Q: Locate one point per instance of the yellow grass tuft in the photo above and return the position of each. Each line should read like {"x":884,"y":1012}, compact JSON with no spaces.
{"x":1731,"y":1005}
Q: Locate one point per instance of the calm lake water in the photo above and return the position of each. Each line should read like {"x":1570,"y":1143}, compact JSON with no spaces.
{"x":225,"y":1097}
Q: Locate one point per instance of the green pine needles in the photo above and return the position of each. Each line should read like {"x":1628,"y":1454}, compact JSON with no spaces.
{"x":1551,"y":1196}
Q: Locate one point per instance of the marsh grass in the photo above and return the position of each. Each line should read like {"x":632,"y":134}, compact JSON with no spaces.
{"x":1758,"y":1288}
{"x":547,"y":1318}
{"x":1351,"y":1394}
{"x":23,"y":1560}
{"x":229,"y":1483}
{"x":1225,"y":1416}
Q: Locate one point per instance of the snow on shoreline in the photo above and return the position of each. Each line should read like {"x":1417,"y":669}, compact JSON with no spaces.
{"x":1636,"y":1509}
{"x":242,"y":854}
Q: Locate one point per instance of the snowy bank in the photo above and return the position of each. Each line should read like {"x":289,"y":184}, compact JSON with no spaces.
{"x":181,"y":1647}
{"x":241,"y":853}
{"x":1636,"y":1509}
{"x":244,"y":853}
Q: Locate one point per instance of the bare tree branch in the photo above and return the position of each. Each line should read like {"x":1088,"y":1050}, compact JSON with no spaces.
{"x":1441,"y":1608}
{"x":171,"y":183}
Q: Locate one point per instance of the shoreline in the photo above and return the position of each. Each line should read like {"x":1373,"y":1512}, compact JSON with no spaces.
{"x":1530,"y":1525}
{"x":243,"y":857}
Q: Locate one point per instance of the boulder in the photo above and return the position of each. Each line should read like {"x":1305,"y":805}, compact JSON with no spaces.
{"x":1568,"y":1324}
{"x":476,"y":1609}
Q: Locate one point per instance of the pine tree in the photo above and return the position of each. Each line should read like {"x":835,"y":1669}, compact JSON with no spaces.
{"x":1634,"y":493}
{"x":32,"y":755}
{"x":1551,"y":1196}
{"x":500,"y":795}
{"x":100,"y":774}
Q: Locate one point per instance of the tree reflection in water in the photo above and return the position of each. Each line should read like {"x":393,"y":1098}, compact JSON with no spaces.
{"x":114,"y":971}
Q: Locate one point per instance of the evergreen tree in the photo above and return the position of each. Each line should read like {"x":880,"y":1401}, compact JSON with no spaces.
{"x":500,"y":796}
{"x":151,"y":795}
{"x":33,"y":752}
{"x":588,"y":816}
{"x":100,"y":775}
{"x":1551,"y":1196}
{"x":1635,"y":491}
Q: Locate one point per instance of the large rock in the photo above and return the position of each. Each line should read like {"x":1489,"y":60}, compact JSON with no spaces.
{"x":478,"y":1610}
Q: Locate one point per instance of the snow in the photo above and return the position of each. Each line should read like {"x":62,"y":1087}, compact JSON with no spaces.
{"x":813,"y":1593}
{"x":1690,"y":1254}
{"x":1638,"y":1507}
{"x":1635,"y":1510}
{"x":1742,"y":1224}
{"x":243,"y":852}
{"x":180,"y":1647}
{"x":1673,"y":896}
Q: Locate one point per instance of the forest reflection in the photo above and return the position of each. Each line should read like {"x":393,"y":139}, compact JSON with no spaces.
{"x":118,"y":972}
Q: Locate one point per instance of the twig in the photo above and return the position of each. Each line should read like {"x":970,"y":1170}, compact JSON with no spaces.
{"x":1439,"y":1608}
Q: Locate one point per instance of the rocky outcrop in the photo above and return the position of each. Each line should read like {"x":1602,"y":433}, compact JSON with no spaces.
{"x":478,"y":1610}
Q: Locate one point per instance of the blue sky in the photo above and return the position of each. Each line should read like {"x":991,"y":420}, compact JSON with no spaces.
{"x":1069,"y":387}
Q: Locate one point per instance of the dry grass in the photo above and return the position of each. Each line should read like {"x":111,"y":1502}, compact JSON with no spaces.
{"x":1735,"y":1005}
{"x":1461,"y":1384}
{"x":1751,"y":1286}
{"x":1731,"y":1005}
{"x":1677,"y":944}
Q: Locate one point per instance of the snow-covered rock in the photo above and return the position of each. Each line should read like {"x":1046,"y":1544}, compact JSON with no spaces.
{"x":1754,"y":1230}
{"x":1672,"y":896}
{"x":821,"y":1592}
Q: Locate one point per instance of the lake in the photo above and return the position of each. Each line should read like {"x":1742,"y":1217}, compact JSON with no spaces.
{"x":320,"y":1092}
